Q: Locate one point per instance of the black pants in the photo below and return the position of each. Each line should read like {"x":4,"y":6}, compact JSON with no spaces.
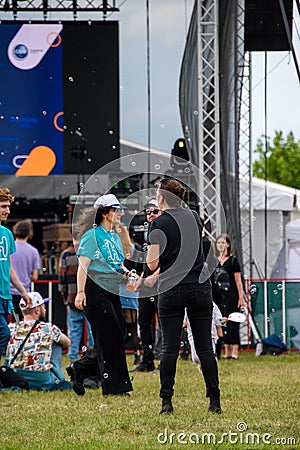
{"x":16,"y":300}
{"x":171,"y":307}
{"x":147,"y":310}
{"x":104,"y":312}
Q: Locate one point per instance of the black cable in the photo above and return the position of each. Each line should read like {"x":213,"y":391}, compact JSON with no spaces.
{"x":288,"y":33}
{"x":266,"y":168}
{"x":148,"y":93}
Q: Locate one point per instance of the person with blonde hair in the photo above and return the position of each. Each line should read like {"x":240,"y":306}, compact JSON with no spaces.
{"x":7,"y":271}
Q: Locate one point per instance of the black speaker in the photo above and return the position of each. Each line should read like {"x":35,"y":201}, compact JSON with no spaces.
{"x":91,"y":95}
{"x":264,"y":25}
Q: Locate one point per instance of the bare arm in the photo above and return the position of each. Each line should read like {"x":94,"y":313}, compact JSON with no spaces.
{"x":64,"y":341}
{"x":152,"y":279}
{"x":34,"y":275}
{"x":18,"y":285}
{"x":239,"y":285}
{"x":80,"y":299}
{"x":153,"y":257}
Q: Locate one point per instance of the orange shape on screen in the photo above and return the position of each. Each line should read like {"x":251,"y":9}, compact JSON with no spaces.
{"x":39,"y":162}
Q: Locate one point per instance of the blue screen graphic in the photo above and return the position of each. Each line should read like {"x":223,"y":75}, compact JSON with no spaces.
{"x":31,"y":99}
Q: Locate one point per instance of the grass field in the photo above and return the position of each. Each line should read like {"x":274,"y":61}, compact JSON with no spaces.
{"x":260,"y":401}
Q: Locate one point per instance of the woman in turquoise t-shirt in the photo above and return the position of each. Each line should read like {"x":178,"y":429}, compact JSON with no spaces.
{"x":99,"y":273}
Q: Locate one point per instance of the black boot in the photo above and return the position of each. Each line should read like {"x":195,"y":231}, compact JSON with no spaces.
{"x":167,"y":407}
{"x":215,"y":406}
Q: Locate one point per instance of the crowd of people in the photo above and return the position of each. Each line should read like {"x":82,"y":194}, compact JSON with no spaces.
{"x":113,"y":288}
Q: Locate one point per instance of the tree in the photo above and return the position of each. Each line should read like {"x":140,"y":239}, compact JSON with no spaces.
{"x":281,"y":162}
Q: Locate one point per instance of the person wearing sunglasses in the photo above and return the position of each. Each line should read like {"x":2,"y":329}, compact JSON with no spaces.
{"x":147,"y":285}
{"x":175,"y":246}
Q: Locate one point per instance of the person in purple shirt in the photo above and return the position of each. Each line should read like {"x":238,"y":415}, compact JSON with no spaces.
{"x":26,"y":260}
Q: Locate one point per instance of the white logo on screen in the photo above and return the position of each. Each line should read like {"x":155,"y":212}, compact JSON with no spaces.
{"x":31,"y":43}
{"x":21,"y":51}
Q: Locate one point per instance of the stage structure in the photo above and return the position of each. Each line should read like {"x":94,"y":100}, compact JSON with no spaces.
{"x":60,"y":104}
{"x":215,"y":102}
{"x":62,"y":6}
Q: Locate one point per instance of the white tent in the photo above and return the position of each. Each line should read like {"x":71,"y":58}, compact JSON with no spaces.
{"x":283,"y":204}
{"x":292,"y":234}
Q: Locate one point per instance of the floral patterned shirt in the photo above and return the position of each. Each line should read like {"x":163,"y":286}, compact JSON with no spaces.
{"x":36,"y":353}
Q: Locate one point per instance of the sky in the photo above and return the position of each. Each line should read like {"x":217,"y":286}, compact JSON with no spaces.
{"x":169,"y":21}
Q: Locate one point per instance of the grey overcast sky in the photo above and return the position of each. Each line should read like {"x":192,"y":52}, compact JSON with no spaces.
{"x":169,"y":21}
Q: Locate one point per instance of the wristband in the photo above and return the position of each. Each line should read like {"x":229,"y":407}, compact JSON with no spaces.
{"x":79,"y":292}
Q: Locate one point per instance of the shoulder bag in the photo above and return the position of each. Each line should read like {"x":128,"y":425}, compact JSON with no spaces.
{"x":8,"y":376}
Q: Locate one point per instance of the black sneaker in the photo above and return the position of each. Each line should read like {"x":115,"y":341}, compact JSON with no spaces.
{"x":77,"y":383}
{"x":144,"y":368}
{"x":215,"y":406}
{"x":137,"y":359}
{"x":91,"y":382}
{"x":167,"y":407}
{"x":119,"y":394}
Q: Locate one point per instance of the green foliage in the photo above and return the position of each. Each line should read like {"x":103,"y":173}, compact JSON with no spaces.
{"x":257,"y":393}
{"x":282,"y":158}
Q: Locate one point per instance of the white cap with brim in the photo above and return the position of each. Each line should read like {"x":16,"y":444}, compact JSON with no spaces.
{"x":36,"y":300}
{"x":108,"y":201}
{"x":152,"y":202}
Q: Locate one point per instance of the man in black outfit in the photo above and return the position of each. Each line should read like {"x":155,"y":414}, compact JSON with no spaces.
{"x":175,"y":240}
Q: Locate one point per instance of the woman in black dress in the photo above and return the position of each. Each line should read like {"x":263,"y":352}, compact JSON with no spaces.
{"x":231,"y":299}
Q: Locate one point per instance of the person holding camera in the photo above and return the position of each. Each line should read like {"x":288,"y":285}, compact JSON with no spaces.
{"x":228,"y":294}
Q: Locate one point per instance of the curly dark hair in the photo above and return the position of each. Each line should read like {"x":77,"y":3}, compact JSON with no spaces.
{"x":87,"y":219}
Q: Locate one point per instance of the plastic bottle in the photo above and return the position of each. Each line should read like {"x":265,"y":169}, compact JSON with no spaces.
{"x":131,"y":281}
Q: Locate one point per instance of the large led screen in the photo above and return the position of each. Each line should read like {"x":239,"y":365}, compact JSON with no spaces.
{"x":59,"y":97}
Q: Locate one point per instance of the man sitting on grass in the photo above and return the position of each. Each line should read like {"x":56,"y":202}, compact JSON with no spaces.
{"x":39,"y":361}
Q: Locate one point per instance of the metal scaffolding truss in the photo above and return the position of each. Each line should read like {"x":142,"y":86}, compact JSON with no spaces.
{"x":208,"y":111}
{"x":45,"y":6}
{"x":245,"y":167}
{"x":244,"y":153}
{"x":209,"y":123}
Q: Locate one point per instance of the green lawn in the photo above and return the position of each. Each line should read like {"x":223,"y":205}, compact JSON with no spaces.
{"x":260,"y":400}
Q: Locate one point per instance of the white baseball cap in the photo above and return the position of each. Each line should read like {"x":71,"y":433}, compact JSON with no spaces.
{"x":36,"y":300}
{"x":108,"y":200}
{"x":152,"y":202}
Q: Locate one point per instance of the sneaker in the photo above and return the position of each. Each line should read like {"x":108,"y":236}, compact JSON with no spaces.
{"x":215,"y":406}
{"x":77,"y":383}
{"x":137,"y":359}
{"x":167,"y":407}
{"x":91,"y":382}
{"x":184,"y":355}
{"x":119,"y":394}
{"x":144,"y":368}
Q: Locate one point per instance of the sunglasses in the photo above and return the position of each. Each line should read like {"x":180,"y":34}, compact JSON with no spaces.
{"x":159,"y":183}
{"x":151,"y":211}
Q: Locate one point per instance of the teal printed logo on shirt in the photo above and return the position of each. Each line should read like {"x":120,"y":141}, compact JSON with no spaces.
{"x":3,"y":249}
{"x":113,"y":255}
